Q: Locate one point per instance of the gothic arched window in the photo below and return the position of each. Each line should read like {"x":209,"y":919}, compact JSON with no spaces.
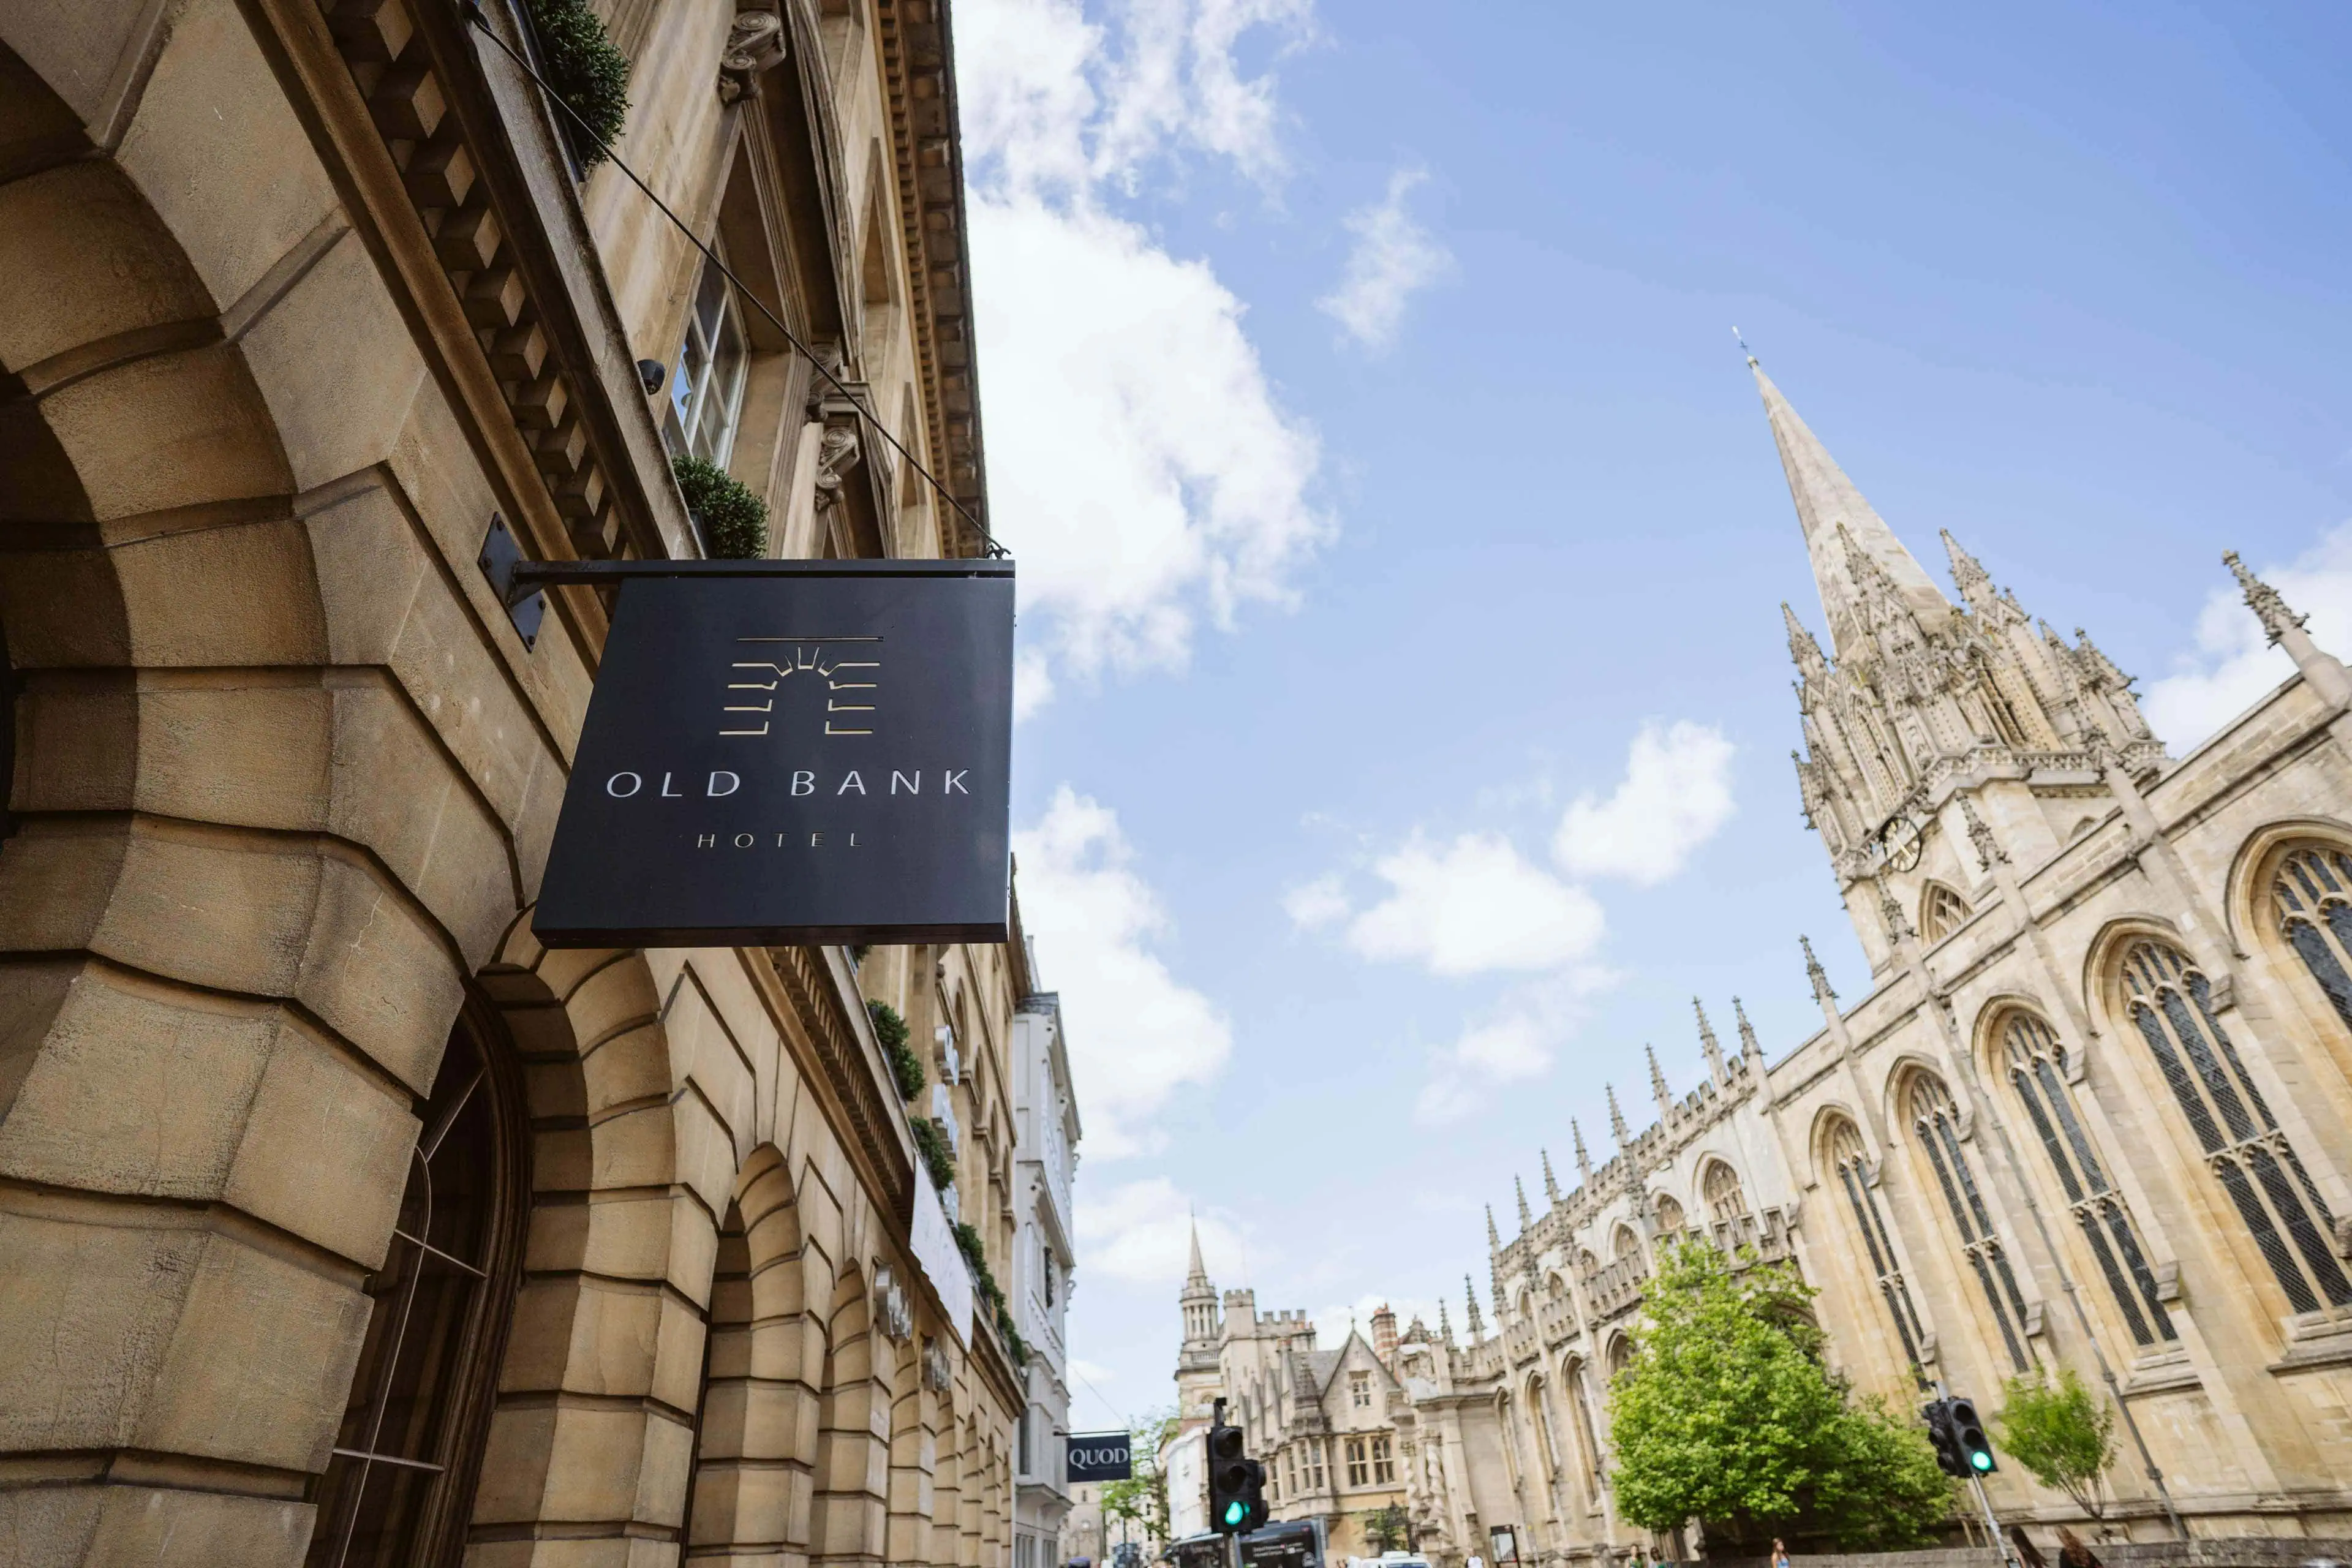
{"x":399,"y":1487}
{"x":1626,"y":1244}
{"x":1670,"y":1213}
{"x":1579,"y":1399}
{"x":2313,"y":889}
{"x":1941,"y":913}
{"x":1721,"y":1185}
{"x":1936,"y":1118}
{"x":2037,"y":1068}
{"x":1847,"y":1158}
{"x":2170,"y":1002}
{"x":1539,"y":1407}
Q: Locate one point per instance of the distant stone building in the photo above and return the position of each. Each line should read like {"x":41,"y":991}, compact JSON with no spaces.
{"x":1323,"y":1422}
{"x":2096,"y":1112}
{"x":1044,"y":1263}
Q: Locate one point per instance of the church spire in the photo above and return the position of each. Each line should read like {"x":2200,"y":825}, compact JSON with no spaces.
{"x":1494,"y":1236}
{"x":1623,"y":1133}
{"x":1477,"y":1323}
{"x":1666,"y":1096}
{"x":1198,"y":1275}
{"x":1526,"y":1220}
{"x":1828,"y":504}
{"x":1583,"y":1160}
{"x":1551,"y":1183}
{"x":1969,"y":576}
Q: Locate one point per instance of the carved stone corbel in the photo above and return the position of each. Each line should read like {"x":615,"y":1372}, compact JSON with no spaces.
{"x":754,"y":44}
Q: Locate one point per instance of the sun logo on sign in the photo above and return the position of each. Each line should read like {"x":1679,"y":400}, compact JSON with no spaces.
{"x":852,"y":685}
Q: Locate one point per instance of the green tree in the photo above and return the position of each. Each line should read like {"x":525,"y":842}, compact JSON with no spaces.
{"x":1142,"y":1499}
{"x":2062,"y":1434}
{"x":1726,"y":1415}
{"x":1388,"y":1530}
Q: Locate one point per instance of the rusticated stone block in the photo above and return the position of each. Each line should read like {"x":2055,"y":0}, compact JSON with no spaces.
{"x":495,"y":298}
{"x":469,"y":238}
{"x":519,"y":351}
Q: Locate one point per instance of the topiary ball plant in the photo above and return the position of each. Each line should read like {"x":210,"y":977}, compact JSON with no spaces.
{"x":734,"y":521}
{"x":588,"y":73}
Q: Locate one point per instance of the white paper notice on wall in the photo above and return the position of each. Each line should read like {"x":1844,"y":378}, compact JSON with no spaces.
{"x":940,"y":1259}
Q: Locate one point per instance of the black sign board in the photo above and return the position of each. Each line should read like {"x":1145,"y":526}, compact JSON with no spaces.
{"x":818,"y":752}
{"x":1100,"y":1457}
{"x":1293,"y":1543}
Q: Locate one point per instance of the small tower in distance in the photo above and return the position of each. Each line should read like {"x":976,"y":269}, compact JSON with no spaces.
{"x":1198,"y":1372}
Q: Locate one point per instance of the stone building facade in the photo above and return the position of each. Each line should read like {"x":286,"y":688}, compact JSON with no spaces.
{"x":1323,"y":1422}
{"x":1045,"y":1264}
{"x":2095,"y":1112}
{"x":338,"y":1220}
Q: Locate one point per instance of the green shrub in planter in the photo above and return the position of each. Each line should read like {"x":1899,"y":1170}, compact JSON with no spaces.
{"x":904,"y":1065}
{"x":734,"y":521}
{"x":932,"y":1145}
{"x":588,"y":73}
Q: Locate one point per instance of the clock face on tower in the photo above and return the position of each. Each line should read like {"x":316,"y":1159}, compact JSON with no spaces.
{"x":1901,"y":842}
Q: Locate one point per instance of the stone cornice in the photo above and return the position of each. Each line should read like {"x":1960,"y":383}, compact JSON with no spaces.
{"x":917,"y":54}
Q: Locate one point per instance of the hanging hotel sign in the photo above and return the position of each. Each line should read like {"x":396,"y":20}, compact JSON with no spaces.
{"x":816,"y":753}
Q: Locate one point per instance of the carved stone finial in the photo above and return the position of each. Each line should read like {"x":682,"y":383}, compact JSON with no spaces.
{"x":1494,"y":1236}
{"x":1969,"y":574}
{"x":1623,"y":1134}
{"x":1551,"y":1183}
{"x":1749,"y":1050}
{"x":1898,"y":928}
{"x":1802,"y":645}
{"x":1664,"y":1096}
{"x":754,"y":43}
{"x":1526,"y":1219}
{"x":1583,"y":1160}
{"x":1980,"y":835}
{"x":2263,"y":600}
{"x":1444,"y":1323}
{"x":1707,"y":1042}
{"x":1477,"y":1322}
{"x":1815,"y":973}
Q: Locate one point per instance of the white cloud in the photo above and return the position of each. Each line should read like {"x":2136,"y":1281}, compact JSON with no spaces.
{"x":1140,"y":1233}
{"x":1137,"y":1034}
{"x":2232,"y":664}
{"x":1091,"y":1371}
{"x":1139,"y":462}
{"x":1314,"y":905}
{"x":1472,"y":906}
{"x":1393,"y":258}
{"x":1676,"y":792}
{"x":1511,"y":1043}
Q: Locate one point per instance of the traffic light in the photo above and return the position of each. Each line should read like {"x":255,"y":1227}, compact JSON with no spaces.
{"x":1236,"y":1481}
{"x":1969,"y":1432}
{"x":1938,"y":1415}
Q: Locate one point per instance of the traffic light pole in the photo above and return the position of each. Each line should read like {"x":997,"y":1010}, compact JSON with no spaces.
{"x":1984,"y":1503}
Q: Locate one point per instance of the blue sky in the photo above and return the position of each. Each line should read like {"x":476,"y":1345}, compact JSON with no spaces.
{"x":1362,"y":407}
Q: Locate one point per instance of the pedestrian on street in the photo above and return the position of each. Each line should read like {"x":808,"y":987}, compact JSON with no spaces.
{"x":1780,"y":1554}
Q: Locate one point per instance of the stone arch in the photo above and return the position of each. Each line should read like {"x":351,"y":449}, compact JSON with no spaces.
{"x":231,"y":954}
{"x":755,"y":1461}
{"x":594,"y":1429}
{"x":914,"y":1452}
{"x":2102,"y":977}
{"x":2299,"y":942}
{"x":847,"y":1523}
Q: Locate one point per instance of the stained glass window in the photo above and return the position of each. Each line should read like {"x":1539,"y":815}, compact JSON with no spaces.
{"x":2037,"y":1069}
{"x":2170,"y":1001}
{"x":2315,"y":911}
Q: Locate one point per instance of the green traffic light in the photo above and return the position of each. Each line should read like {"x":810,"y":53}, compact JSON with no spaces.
{"x":1236,"y":1511}
{"x":1982,"y":1461}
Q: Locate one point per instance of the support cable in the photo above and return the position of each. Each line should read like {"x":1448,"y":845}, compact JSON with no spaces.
{"x":475,"y":17}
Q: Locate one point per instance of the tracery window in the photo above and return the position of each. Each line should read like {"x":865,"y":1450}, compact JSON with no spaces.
{"x":1942,"y":912}
{"x":1670,"y":1214}
{"x":1626,"y":1244}
{"x":2314,"y":890}
{"x":399,"y":1485}
{"x":1580,"y":1404}
{"x":2170,"y":1001}
{"x":1937,"y":1120}
{"x":1539,"y":1409}
{"x":2037,"y":1068}
{"x":1720,"y":1186}
{"x":1852,"y":1167}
